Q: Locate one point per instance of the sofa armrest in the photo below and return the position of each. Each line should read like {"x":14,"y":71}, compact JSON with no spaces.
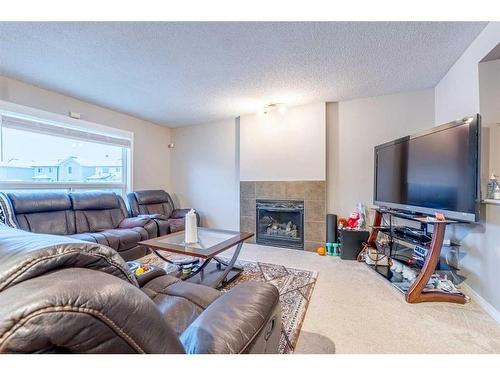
{"x":234,"y":321}
{"x":153,"y":216}
{"x":180,"y":213}
{"x":82,"y":311}
{"x":153,"y":273}
{"x":133,"y":222}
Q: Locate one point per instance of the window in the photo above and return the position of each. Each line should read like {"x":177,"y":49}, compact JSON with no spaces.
{"x":38,"y":154}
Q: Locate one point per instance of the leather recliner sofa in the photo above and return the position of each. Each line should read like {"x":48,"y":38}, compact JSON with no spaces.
{"x":158,"y":206}
{"x":99,"y":217}
{"x":62,"y":295}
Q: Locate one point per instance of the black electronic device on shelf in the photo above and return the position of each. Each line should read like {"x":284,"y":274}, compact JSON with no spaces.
{"x":414,"y":233}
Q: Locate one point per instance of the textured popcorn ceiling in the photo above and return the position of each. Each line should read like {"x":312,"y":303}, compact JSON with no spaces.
{"x":187,"y":73}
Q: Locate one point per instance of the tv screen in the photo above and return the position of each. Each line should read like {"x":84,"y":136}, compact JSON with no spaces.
{"x":433,"y":171}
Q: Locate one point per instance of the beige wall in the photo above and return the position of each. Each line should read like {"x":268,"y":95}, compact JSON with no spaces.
{"x":205,"y":172}
{"x":151,"y":154}
{"x":355,"y":127}
{"x":288,"y":146}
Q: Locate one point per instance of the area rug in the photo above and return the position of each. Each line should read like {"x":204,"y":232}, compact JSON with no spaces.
{"x":295,"y":287}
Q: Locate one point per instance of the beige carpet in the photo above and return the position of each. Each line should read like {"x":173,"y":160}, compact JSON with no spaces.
{"x":353,"y":310}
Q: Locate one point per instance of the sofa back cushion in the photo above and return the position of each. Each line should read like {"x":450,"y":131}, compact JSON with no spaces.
{"x":46,"y":212}
{"x":97,"y":211}
{"x":151,"y":202}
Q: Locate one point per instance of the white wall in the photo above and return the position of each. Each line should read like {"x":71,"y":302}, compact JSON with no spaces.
{"x":457,"y":95}
{"x":151,"y":155}
{"x":286,"y":146}
{"x":205,"y":172}
{"x":360,"y":125}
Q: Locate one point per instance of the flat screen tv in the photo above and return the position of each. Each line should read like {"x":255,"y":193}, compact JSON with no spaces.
{"x":433,"y":171}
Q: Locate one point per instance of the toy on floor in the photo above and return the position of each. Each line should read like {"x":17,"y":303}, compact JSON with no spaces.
{"x":332,"y":249}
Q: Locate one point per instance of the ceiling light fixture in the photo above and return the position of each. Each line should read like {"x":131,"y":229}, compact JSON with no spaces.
{"x":274,"y":107}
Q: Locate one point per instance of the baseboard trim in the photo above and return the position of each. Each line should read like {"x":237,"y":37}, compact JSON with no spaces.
{"x":494,"y":313}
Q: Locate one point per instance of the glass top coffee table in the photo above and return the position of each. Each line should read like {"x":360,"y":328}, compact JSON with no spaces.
{"x":213,"y":271}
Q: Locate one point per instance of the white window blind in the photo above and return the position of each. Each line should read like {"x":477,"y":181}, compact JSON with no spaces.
{"x":61,"y":131}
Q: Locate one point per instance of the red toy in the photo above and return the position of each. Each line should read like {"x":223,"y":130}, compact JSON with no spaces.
{"x":352,"y":222}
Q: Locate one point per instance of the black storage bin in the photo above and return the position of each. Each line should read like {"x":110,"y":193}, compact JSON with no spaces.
{"x":351,"y":243}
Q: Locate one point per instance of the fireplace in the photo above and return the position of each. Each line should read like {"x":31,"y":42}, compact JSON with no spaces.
{"x":280,"y":223}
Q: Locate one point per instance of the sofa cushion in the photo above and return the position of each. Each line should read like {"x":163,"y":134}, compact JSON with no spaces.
{"x":28,"y":202}
{"x":46,"y":212}
{"x":94,"y":200}
{"x":96,"y":220}
{"x":97,"y":211}
{"x":151,"y":196}
{"x":56,"y":222}
{"x":124,"y":239}
{"x":180,"y":302}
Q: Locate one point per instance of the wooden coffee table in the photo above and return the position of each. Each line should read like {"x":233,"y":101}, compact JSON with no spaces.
{"x":213,"y":271}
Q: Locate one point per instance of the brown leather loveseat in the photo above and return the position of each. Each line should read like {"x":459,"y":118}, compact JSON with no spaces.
{"x":62,"y":295}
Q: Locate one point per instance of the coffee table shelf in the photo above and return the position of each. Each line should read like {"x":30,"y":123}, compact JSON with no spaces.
{"x":213,"y":271}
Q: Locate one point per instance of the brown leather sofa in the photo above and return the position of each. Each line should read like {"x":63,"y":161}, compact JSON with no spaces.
{"x":99,"y":217}
{"x":158,"y":206}
{"x":62,"y":295}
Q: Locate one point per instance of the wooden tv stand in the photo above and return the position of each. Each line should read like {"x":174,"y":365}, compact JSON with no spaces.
{"x":416,"y":292}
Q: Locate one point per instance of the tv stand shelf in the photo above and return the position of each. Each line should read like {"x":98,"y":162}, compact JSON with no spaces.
{"x":392,"y":233}
{"x":416,"y":292}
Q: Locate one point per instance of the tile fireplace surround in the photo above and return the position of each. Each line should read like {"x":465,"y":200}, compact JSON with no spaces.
{"x":313,"y":193}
